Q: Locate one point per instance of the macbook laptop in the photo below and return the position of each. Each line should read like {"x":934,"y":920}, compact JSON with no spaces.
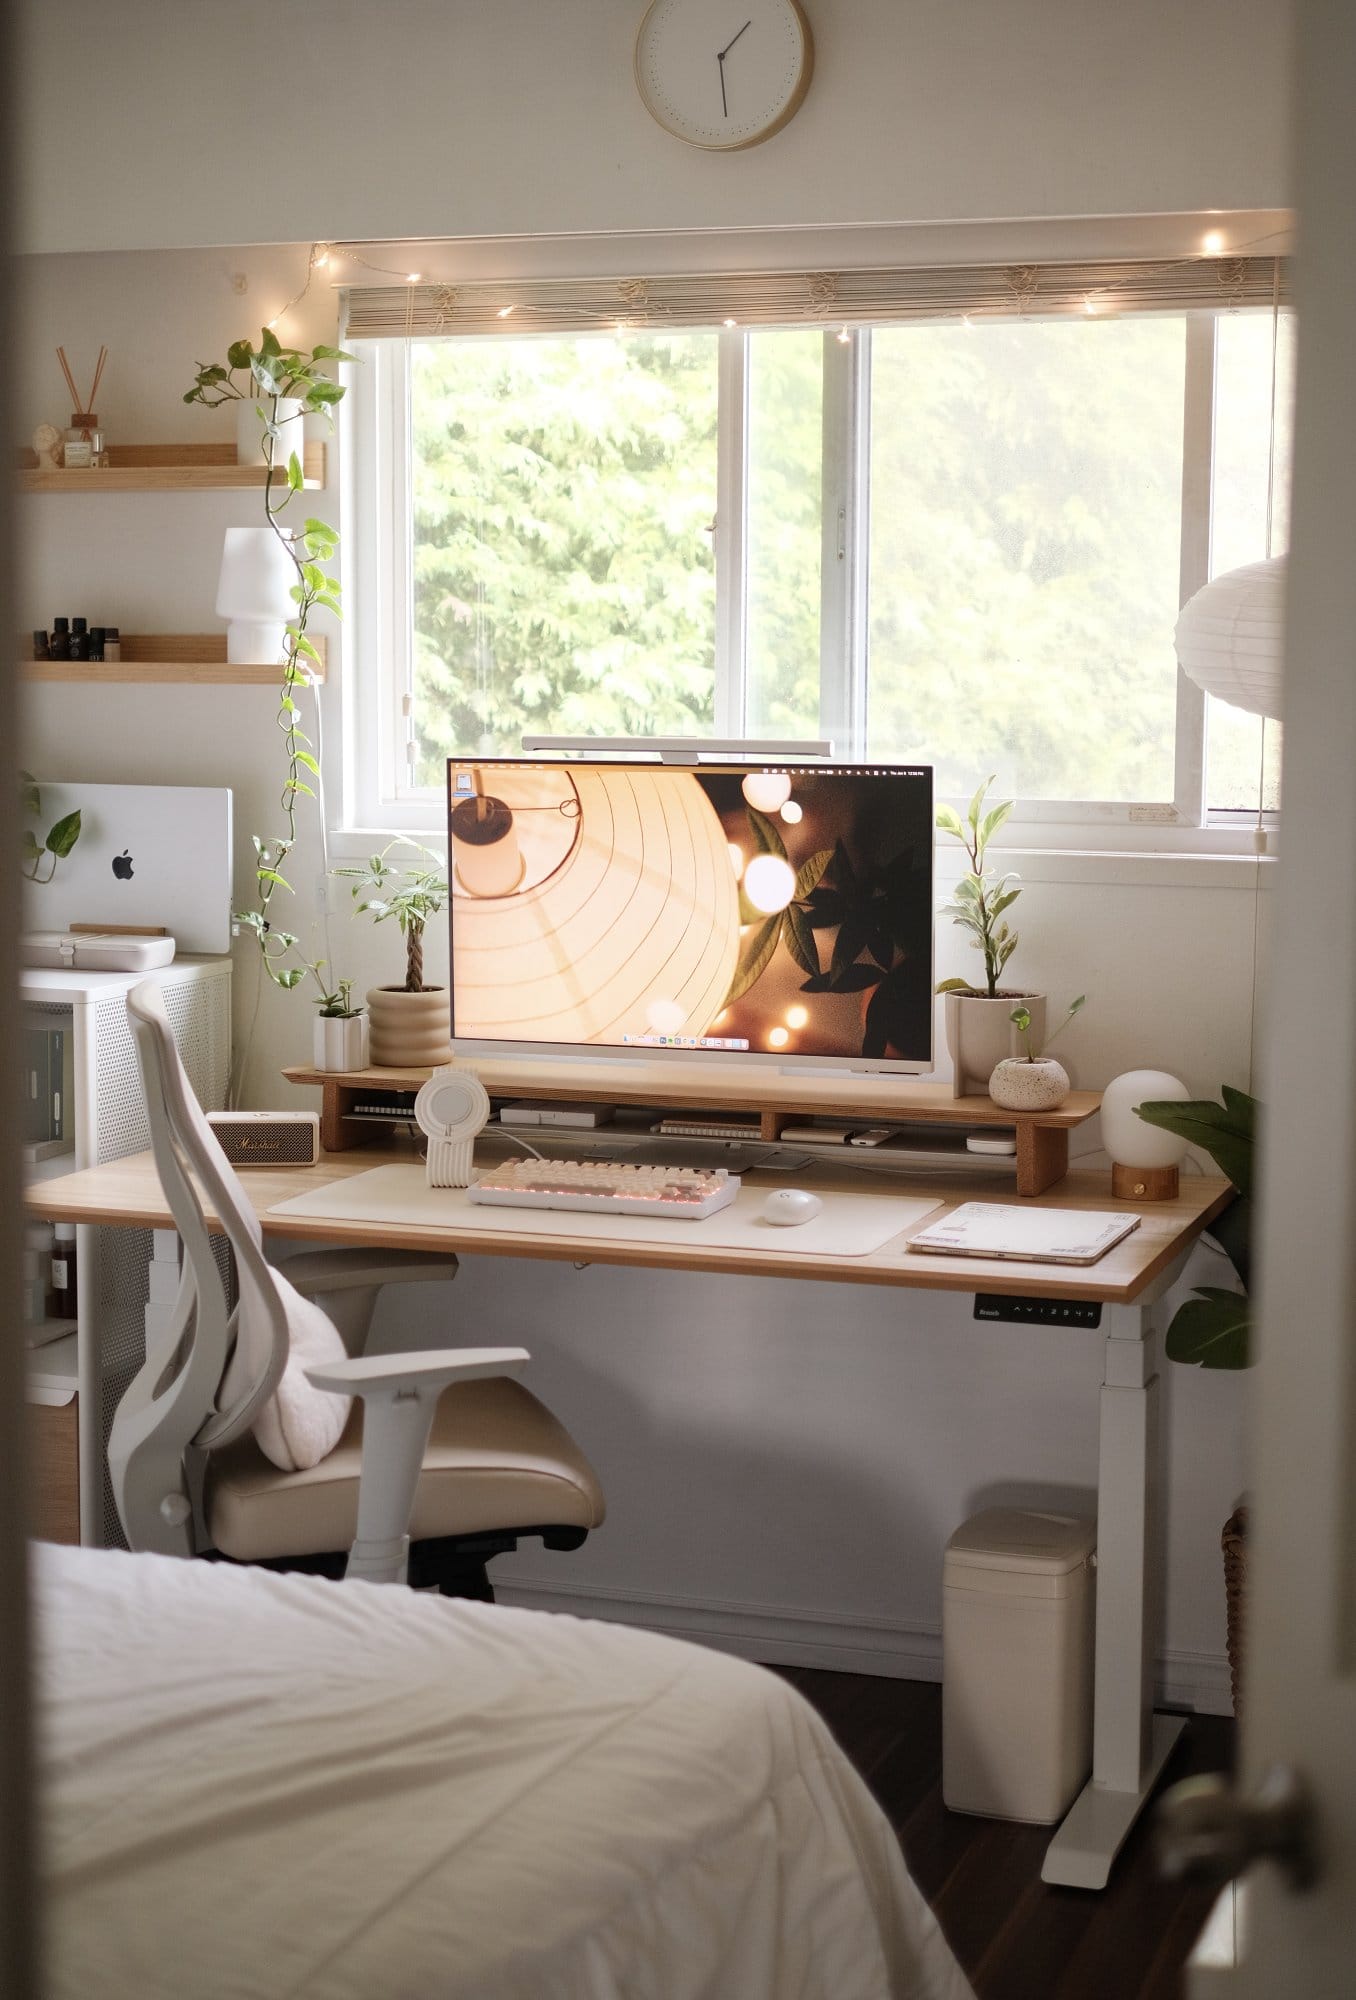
{"x":158,"y":856}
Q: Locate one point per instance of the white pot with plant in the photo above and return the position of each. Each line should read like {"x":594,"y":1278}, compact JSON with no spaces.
{"x":411,"y":1025}
{"x":979,"y":1024}
{"x":340,"y":1031}
{"x":1032,"y":1081}
{"x":261,"y":412}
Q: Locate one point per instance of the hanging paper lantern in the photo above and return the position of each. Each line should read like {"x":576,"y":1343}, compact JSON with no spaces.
{"x":1230,"y":636}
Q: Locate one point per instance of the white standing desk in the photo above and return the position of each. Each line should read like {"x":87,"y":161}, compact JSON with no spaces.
{"x":1130,"y":1743}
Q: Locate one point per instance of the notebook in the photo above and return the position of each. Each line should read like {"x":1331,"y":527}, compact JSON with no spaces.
{"x":1033,"y":1235}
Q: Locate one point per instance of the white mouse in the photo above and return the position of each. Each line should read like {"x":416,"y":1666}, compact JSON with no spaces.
{"x":791,"y":1205}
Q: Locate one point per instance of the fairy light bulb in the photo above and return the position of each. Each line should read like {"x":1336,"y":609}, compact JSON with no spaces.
{"x":1213,"y":242}
{"x":767,"y":791}
{"x":413,"y":277}
{"x":843,"y":337}
{"x":769,"y":883}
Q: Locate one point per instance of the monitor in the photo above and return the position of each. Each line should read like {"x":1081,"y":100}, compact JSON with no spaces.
{"x":733,"y":913}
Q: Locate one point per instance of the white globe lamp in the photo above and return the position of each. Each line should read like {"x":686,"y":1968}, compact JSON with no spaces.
{"x":1230,"y":636}
{"x":1144,"y":1158}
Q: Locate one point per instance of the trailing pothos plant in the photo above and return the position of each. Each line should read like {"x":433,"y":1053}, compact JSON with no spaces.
{"x":981,"y":897}
{"x":271,"y":373}
{"x":1214,"y":1329}
{"x":873,"y":913}
{"x":55,"y":844}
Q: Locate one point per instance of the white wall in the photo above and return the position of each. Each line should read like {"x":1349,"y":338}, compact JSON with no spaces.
{"x":282,"y":120}
{"x":783,"y":1461}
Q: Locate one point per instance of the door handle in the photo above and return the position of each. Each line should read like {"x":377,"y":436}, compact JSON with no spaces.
{"x":1209,"y":1832}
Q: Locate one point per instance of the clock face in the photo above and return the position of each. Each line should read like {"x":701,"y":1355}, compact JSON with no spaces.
{"x":723,"y":73}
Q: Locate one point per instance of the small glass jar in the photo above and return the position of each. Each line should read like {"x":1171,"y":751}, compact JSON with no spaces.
{"x":82,"y":444}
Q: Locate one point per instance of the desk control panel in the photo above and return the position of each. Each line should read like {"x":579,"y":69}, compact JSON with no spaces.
{"x":1037,"y":1312}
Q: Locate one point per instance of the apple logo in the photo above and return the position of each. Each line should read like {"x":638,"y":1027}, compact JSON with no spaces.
{"x":122,"y":866}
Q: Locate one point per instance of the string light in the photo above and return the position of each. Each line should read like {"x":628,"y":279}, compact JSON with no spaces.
{"x":1213,"y":242}
{"x":504,"y":312}
{"x":843,"y":337}
{"x":732,"y":322}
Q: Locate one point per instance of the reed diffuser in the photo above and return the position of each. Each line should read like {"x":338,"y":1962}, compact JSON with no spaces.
{"x":83,"y":443}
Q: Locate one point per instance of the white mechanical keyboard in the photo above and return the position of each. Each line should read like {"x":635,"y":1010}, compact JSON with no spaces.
{"x":609,"y":1186}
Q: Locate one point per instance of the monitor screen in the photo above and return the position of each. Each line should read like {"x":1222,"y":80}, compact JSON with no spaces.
{"x":732,"y":912}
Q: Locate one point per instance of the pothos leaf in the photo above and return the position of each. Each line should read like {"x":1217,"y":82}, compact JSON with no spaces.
{"x":810,"y":872}
{"x":757,"y":955}
{"x":765,"y":833}
{"x":800,"y":940}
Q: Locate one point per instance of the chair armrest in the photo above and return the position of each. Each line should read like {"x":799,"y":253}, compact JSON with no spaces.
{"x":400,"y":1394}
{"x":422,"y":1373}
{"x":340,"y":1269}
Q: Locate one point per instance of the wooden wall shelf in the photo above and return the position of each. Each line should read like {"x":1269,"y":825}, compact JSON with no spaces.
{"x":1042,"y":1138}
{"x":192,"y":659}
{"x":161,"y":468}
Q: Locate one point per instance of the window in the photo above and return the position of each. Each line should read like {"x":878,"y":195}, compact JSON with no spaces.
{"x":958,"y":539}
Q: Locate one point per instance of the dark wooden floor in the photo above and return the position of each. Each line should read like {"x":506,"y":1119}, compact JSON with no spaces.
{"x":1016,"y":1938}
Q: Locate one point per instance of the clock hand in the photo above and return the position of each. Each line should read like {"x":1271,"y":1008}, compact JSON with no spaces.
{"x":723,"y":105}
{"x":730,"y":44}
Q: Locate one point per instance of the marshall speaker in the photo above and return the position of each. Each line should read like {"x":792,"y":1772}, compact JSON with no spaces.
{"x":267,"y":1138}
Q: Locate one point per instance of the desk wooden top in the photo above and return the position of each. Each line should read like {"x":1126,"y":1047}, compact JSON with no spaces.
{"x":128,"y":1192}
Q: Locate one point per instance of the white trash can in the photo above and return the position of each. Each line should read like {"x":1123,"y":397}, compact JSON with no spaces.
{"x":1018,"y":1600}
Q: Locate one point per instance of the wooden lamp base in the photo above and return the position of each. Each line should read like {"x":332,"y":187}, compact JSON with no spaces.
{"x":1143,"y":1183}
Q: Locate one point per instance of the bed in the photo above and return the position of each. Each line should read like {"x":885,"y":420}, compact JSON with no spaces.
{"x":258,"y":1786}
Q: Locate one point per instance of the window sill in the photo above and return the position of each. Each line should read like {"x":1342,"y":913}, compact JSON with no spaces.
{"x":1190,"y":858}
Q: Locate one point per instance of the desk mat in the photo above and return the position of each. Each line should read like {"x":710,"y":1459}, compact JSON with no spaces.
{"x":848,"y":1225}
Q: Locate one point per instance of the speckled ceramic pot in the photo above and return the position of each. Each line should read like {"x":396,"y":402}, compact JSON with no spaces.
{"x":1019,"y":1085}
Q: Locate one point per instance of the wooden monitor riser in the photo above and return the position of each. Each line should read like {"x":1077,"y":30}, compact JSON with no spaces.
{"x":777,"y":1100}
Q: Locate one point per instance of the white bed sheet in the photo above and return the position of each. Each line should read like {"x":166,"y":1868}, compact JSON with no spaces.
{"x":258,"y":1786}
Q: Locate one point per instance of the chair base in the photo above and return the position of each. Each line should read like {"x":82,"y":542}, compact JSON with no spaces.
{"x":453,"y":1565}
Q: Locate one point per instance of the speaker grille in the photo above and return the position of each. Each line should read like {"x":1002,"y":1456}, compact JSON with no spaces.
{"x":267,"y":1142}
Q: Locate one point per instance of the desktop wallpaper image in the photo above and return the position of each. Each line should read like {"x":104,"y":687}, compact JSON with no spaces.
{"x":752,"y":911}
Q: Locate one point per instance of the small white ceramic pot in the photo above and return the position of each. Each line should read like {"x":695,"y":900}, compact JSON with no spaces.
{"x":249,"y":432}
{"x":1019,"y":1085}
{"x":979,"y":1033}
{"x":341,"y":1041}
{"x":410,"y":1030}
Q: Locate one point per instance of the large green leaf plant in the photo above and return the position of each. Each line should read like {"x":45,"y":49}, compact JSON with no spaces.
{"x":1214,"y":1329}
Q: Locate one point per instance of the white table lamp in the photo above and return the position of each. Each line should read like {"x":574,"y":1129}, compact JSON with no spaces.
{"x":254,"y":594}
{"x":1144,"y":1158}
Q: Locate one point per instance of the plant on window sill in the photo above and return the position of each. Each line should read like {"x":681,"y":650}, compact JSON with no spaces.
{"x":274,"y":374}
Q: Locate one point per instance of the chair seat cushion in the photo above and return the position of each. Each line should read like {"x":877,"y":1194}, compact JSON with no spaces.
{"x":496,"y":1459}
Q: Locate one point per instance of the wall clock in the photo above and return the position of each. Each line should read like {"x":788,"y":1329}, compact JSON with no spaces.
{"x":723,"y":74}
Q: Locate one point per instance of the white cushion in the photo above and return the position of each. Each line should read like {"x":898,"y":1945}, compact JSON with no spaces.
{"x":300,"y":1424}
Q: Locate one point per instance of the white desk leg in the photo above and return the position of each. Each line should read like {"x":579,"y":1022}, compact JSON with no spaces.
{"x":1130,"y":1745}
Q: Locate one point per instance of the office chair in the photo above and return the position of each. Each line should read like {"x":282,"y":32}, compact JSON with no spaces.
{"x":260,"y":1433}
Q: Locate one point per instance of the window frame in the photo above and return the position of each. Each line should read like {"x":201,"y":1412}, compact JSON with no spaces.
{"x":376,"y":439}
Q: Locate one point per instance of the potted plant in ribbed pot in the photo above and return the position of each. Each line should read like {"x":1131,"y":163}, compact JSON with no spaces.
{"x":410,"y":1025}
{"x":979,"y":1019}
{"x":1213,"y":1329}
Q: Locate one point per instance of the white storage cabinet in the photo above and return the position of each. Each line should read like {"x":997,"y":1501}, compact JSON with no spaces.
{"x":92,"y":1366}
